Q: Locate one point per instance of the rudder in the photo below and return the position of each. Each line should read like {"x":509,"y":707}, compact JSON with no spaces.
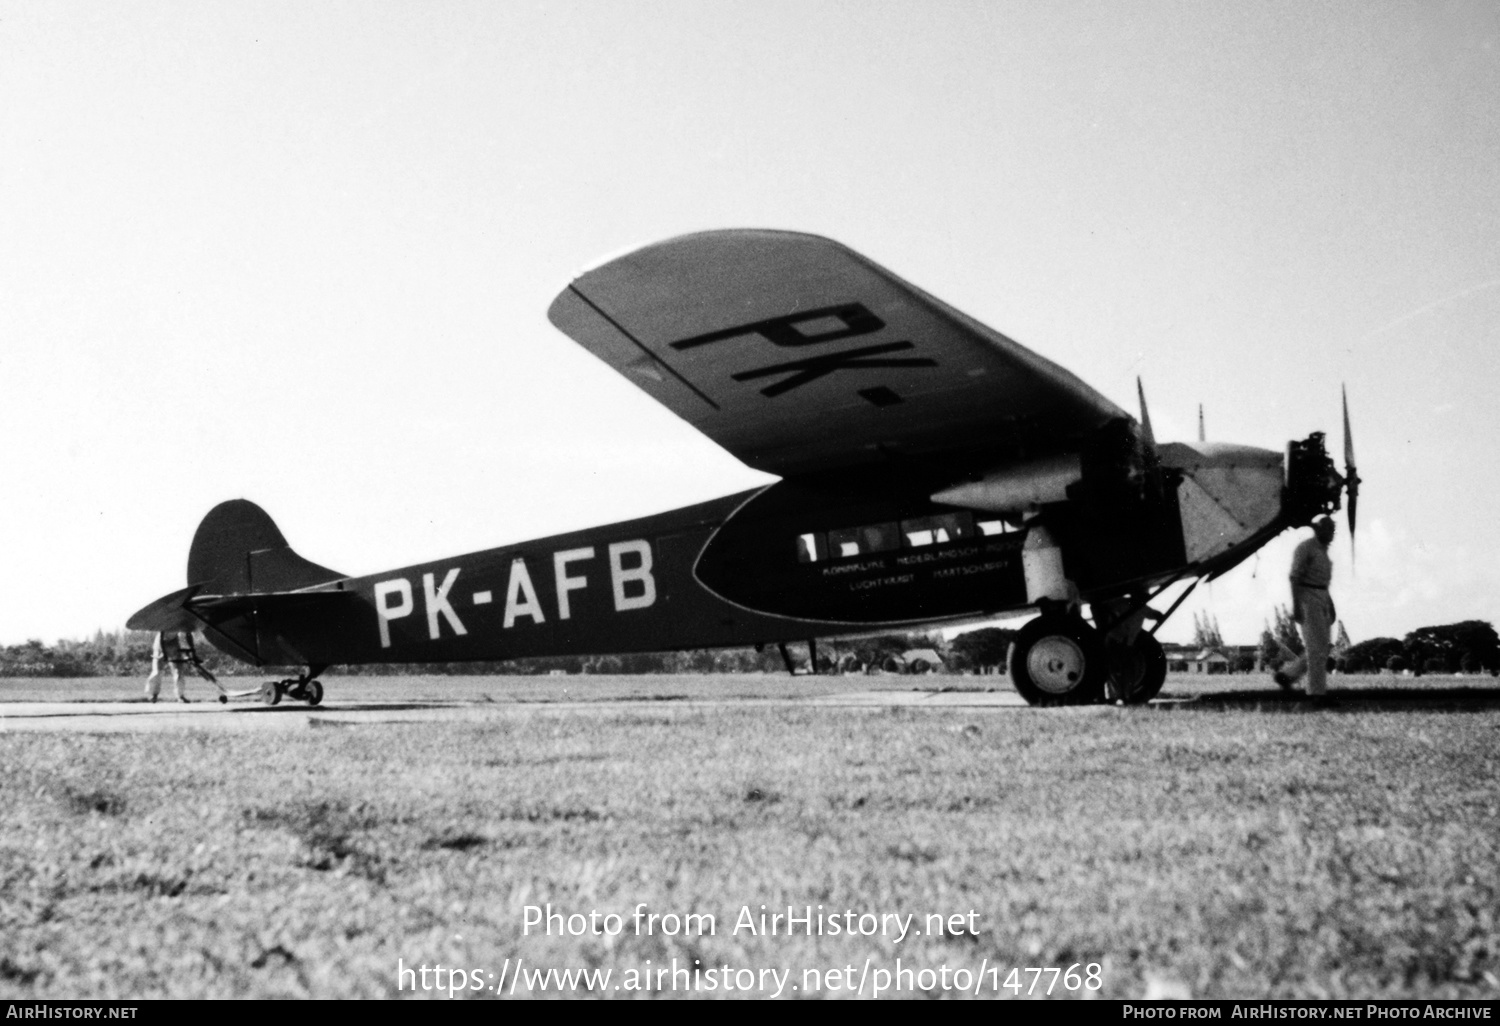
{"x":239,"y":549}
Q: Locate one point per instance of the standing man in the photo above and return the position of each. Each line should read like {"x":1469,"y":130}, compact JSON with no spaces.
{"x":176,"y":649}
{"x":1312,"y":608}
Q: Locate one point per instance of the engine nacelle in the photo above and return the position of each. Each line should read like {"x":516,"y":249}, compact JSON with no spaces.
{"x":1226,"y":495}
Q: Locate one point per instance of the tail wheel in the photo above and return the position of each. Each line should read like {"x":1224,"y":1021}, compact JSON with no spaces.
{"x":1058,"y":660}
{"x":1137,"y":671}
{"x":314,"y":692}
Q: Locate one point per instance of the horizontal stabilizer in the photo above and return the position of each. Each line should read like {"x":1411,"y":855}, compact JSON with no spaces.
{"x":274,"y":604}
{"x":255,"y":627}
{"x":168,"y":613}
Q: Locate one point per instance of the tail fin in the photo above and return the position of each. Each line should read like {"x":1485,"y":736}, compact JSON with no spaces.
{"x":245,"y":591}
{"x":238,"y":549}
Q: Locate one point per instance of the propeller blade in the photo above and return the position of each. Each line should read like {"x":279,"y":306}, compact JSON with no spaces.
{"x":1151,"y":484}
{"x":1202,"y":434}
{"x":1146,"y":431}
{"x":1351,"y":472}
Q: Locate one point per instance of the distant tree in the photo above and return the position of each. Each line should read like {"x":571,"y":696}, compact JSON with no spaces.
{"x":1339,"y":653}
{"x":985,"y":647}
{"x":1270,"y":652}
{"x":1285,"y":630}
{"x":1470,"y":663}
{"x":1449,"y":642}
{"x":692,"y":660}
{"x":877,"y":651}
{"x":1396,"y":663}
{"x":1373,"y":654}
{"x":737,"y":660}
{"x":1206,"y":631}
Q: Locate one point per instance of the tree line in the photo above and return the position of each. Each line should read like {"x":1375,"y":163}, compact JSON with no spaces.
{"x":1471,"y":646}
{"x":1468,"y":647}
{"x":126,"y":653}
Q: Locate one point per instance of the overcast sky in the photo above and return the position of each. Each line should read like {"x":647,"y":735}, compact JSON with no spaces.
{"x":302,"y":254}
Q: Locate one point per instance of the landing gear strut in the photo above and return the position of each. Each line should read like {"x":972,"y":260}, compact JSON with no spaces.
{"x":304,"y":688}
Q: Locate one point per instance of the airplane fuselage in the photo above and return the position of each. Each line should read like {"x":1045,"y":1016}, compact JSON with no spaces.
{"x":796,"y":559}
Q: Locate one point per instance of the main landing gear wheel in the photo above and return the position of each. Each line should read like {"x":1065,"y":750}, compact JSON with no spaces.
{"x":1058,"y":660}
{"x":313,"y":692}
{"x":1137,"y":671}
{"x":270,"y":692}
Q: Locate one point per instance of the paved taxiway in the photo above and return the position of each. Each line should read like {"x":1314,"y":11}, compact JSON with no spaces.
{"x":132,"y":717}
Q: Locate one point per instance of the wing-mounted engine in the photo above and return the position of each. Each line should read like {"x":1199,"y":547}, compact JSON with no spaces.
{"x":1228,"y":496}
{"x":1120,"y":521}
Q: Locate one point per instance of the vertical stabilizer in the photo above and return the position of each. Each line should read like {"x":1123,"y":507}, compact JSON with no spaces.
{"x":238,"y":549}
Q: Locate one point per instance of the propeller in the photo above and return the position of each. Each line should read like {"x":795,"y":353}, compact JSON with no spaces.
{"x":1202,"y":435}
{"x":1151,"y":460}
{"x":1146,"y":433}
{"x":1351,"y":473}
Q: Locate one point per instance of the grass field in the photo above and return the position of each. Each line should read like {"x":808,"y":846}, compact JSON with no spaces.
{"x":1233,"y":847}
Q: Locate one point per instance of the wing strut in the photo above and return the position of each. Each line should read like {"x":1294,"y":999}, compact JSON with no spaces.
{"x":1173,"y":607}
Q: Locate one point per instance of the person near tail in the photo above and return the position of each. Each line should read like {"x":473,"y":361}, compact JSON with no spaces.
{"x":175,"y":648}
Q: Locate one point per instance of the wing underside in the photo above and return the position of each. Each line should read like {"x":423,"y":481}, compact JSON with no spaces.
{"x":797,"y":354}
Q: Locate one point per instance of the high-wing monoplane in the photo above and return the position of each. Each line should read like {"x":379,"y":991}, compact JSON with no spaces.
{"x":931,"y":470}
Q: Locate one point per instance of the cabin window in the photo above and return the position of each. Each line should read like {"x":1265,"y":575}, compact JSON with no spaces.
{"x":854,"y":541}
{"x":938,"y":530}
{"x":811,"y":548}
{"x":846,"y":542}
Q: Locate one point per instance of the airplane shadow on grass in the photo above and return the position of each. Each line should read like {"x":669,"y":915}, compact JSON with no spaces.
{"x":1363,"y":700}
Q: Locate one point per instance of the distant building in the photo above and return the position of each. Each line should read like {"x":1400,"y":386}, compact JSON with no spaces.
{"x":1219,"y":659}
{"x":1178,"y":656}
{"x":1210,"y":660}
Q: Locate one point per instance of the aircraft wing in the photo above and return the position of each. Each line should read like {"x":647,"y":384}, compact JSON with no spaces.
{"x":797,"y":354}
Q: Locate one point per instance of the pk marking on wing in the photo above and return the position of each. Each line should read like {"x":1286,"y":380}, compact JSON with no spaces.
{"x":816,"y":327}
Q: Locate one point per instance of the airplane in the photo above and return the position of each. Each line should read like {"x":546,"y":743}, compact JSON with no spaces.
{"x":930,"y":471}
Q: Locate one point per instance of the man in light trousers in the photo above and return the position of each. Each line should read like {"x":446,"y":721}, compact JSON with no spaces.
{"x":1313,"y":609}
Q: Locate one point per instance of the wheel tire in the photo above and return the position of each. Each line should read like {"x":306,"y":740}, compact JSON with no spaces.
{"x":1138,"y":672}
{"x":1058,"y":660}
{"x":314,"y":692}
{"x":920,"y":666}
{"x":270,"y":692}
